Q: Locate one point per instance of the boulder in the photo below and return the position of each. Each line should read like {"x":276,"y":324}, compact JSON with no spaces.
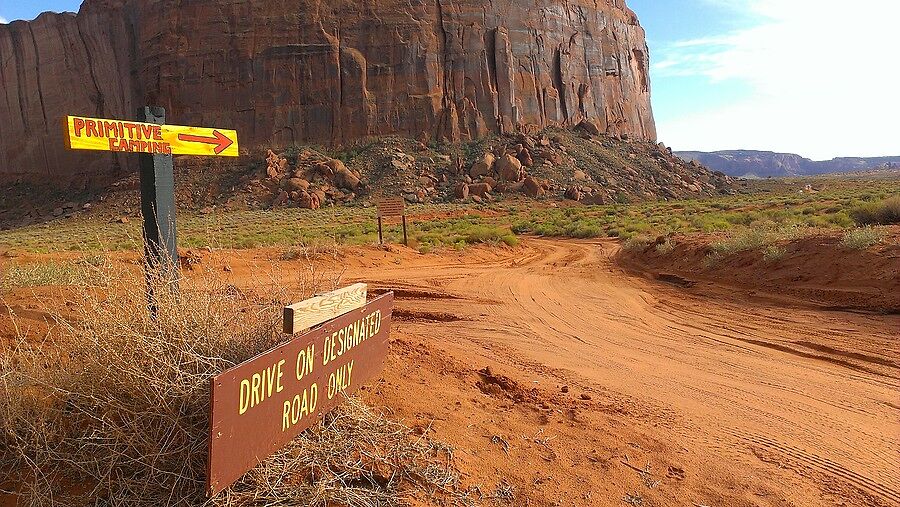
{"x":307,"y":200}
{"x":276,"y":165}
{"x":589,"y":127}
{"x":461,"y":191}
{"x":532,"y":187}
{"x":526,"y":141}
{"x":282,"y":199}
{"x":295,"y":184}
{"x":580,"y":175}
{"x":480,"y":189}
{"x":483,"y":167}
{"x":525,"y":158}
{"x":344,"y":178}
{"x":509,"y":168}
{"x":323,"y":169}
{"x":573,"y":193}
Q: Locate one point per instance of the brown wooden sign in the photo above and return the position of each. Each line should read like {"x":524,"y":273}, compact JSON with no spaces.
{"x":392,"y":207}
{"x":261,"y":405}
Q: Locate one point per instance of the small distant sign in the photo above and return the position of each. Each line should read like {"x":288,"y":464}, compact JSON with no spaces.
{"x":98,"y":134}
{"x":391,"y":207}
{"x":261,"y":405}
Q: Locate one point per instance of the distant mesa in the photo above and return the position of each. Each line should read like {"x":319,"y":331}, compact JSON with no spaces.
{"x":766,"y":164}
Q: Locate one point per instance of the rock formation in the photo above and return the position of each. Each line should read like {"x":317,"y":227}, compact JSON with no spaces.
{"x":763,"y":164}
{"x":298,"y":71}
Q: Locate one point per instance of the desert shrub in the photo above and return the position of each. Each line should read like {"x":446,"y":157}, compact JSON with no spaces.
{"x":90,"y":271}
{"x":750,"y":238}
{"x":115,"y":411}
{"x":862,"y":238}
{"x":884,"y":212}
{"x":773,"y":253}
{"x":666,"y":247}
{"x":637,"y":243}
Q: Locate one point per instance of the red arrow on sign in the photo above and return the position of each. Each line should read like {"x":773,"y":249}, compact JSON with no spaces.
{"x":221,"y":141}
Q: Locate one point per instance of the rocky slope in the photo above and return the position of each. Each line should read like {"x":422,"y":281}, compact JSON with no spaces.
{"x":295,"y":71}
{"x":549,"y":165}
{"x":762,"y":164}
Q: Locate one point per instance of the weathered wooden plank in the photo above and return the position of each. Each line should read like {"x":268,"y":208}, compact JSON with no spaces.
{"x":312,"y":312}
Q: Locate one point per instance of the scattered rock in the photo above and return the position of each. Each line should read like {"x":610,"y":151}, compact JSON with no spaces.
{"x":573,"y":193}
{"x":483,"y":167}
{"x":296,"y":184}
{"x":532,"y":188}
{"x":590,"y":127}
{"x":343,"y":177}
{"x":282,"y":199}
{"x":580,"y":175}
{"x":586,"y":397}
{"x":189,"y":259}
{"x":307,"y":200}
{"x":461,"y":191}
{"x":480,"y":189}
{"x":510,"y":169}
{"x":276,"y":165}
{"x":525,"y":158}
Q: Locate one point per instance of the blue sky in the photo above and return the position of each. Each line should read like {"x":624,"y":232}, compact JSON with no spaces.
{"x":814,"y":77}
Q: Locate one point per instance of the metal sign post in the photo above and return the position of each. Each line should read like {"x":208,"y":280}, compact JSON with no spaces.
{"x":158,"y":207}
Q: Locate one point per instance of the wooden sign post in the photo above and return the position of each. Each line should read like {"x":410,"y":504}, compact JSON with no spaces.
{"x":391,"y":207}
{"x":259,"y":406}
{"x":156,"y":143}
{"x":158,"y":207}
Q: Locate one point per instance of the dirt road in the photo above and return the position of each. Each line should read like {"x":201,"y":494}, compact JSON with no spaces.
{"x":560,"y":379}
{"x":739,"y":402}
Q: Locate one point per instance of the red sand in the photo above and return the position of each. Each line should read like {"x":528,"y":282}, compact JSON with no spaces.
{"x":594,"y":374}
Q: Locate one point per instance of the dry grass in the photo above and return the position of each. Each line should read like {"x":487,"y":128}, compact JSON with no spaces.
{"x":114,"y":411}
{"x":862,"y":238}
{"x":91,"y":271}
{"x":884,"y":212}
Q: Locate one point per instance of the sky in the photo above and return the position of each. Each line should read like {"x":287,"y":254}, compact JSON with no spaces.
{"x":814,"y":77}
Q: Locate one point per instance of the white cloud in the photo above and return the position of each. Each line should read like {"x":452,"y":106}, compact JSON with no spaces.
{"x":3,"y":20}
{"x":822,"y":79}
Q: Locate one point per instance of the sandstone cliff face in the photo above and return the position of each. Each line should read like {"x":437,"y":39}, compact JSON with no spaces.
{"x":293,"y":71}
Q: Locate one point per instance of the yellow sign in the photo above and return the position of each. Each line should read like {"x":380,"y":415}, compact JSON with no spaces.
{"x":133,"y":137}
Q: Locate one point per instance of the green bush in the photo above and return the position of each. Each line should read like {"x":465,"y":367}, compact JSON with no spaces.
{"x":862,"y":238}
{"x":885,"y":212}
